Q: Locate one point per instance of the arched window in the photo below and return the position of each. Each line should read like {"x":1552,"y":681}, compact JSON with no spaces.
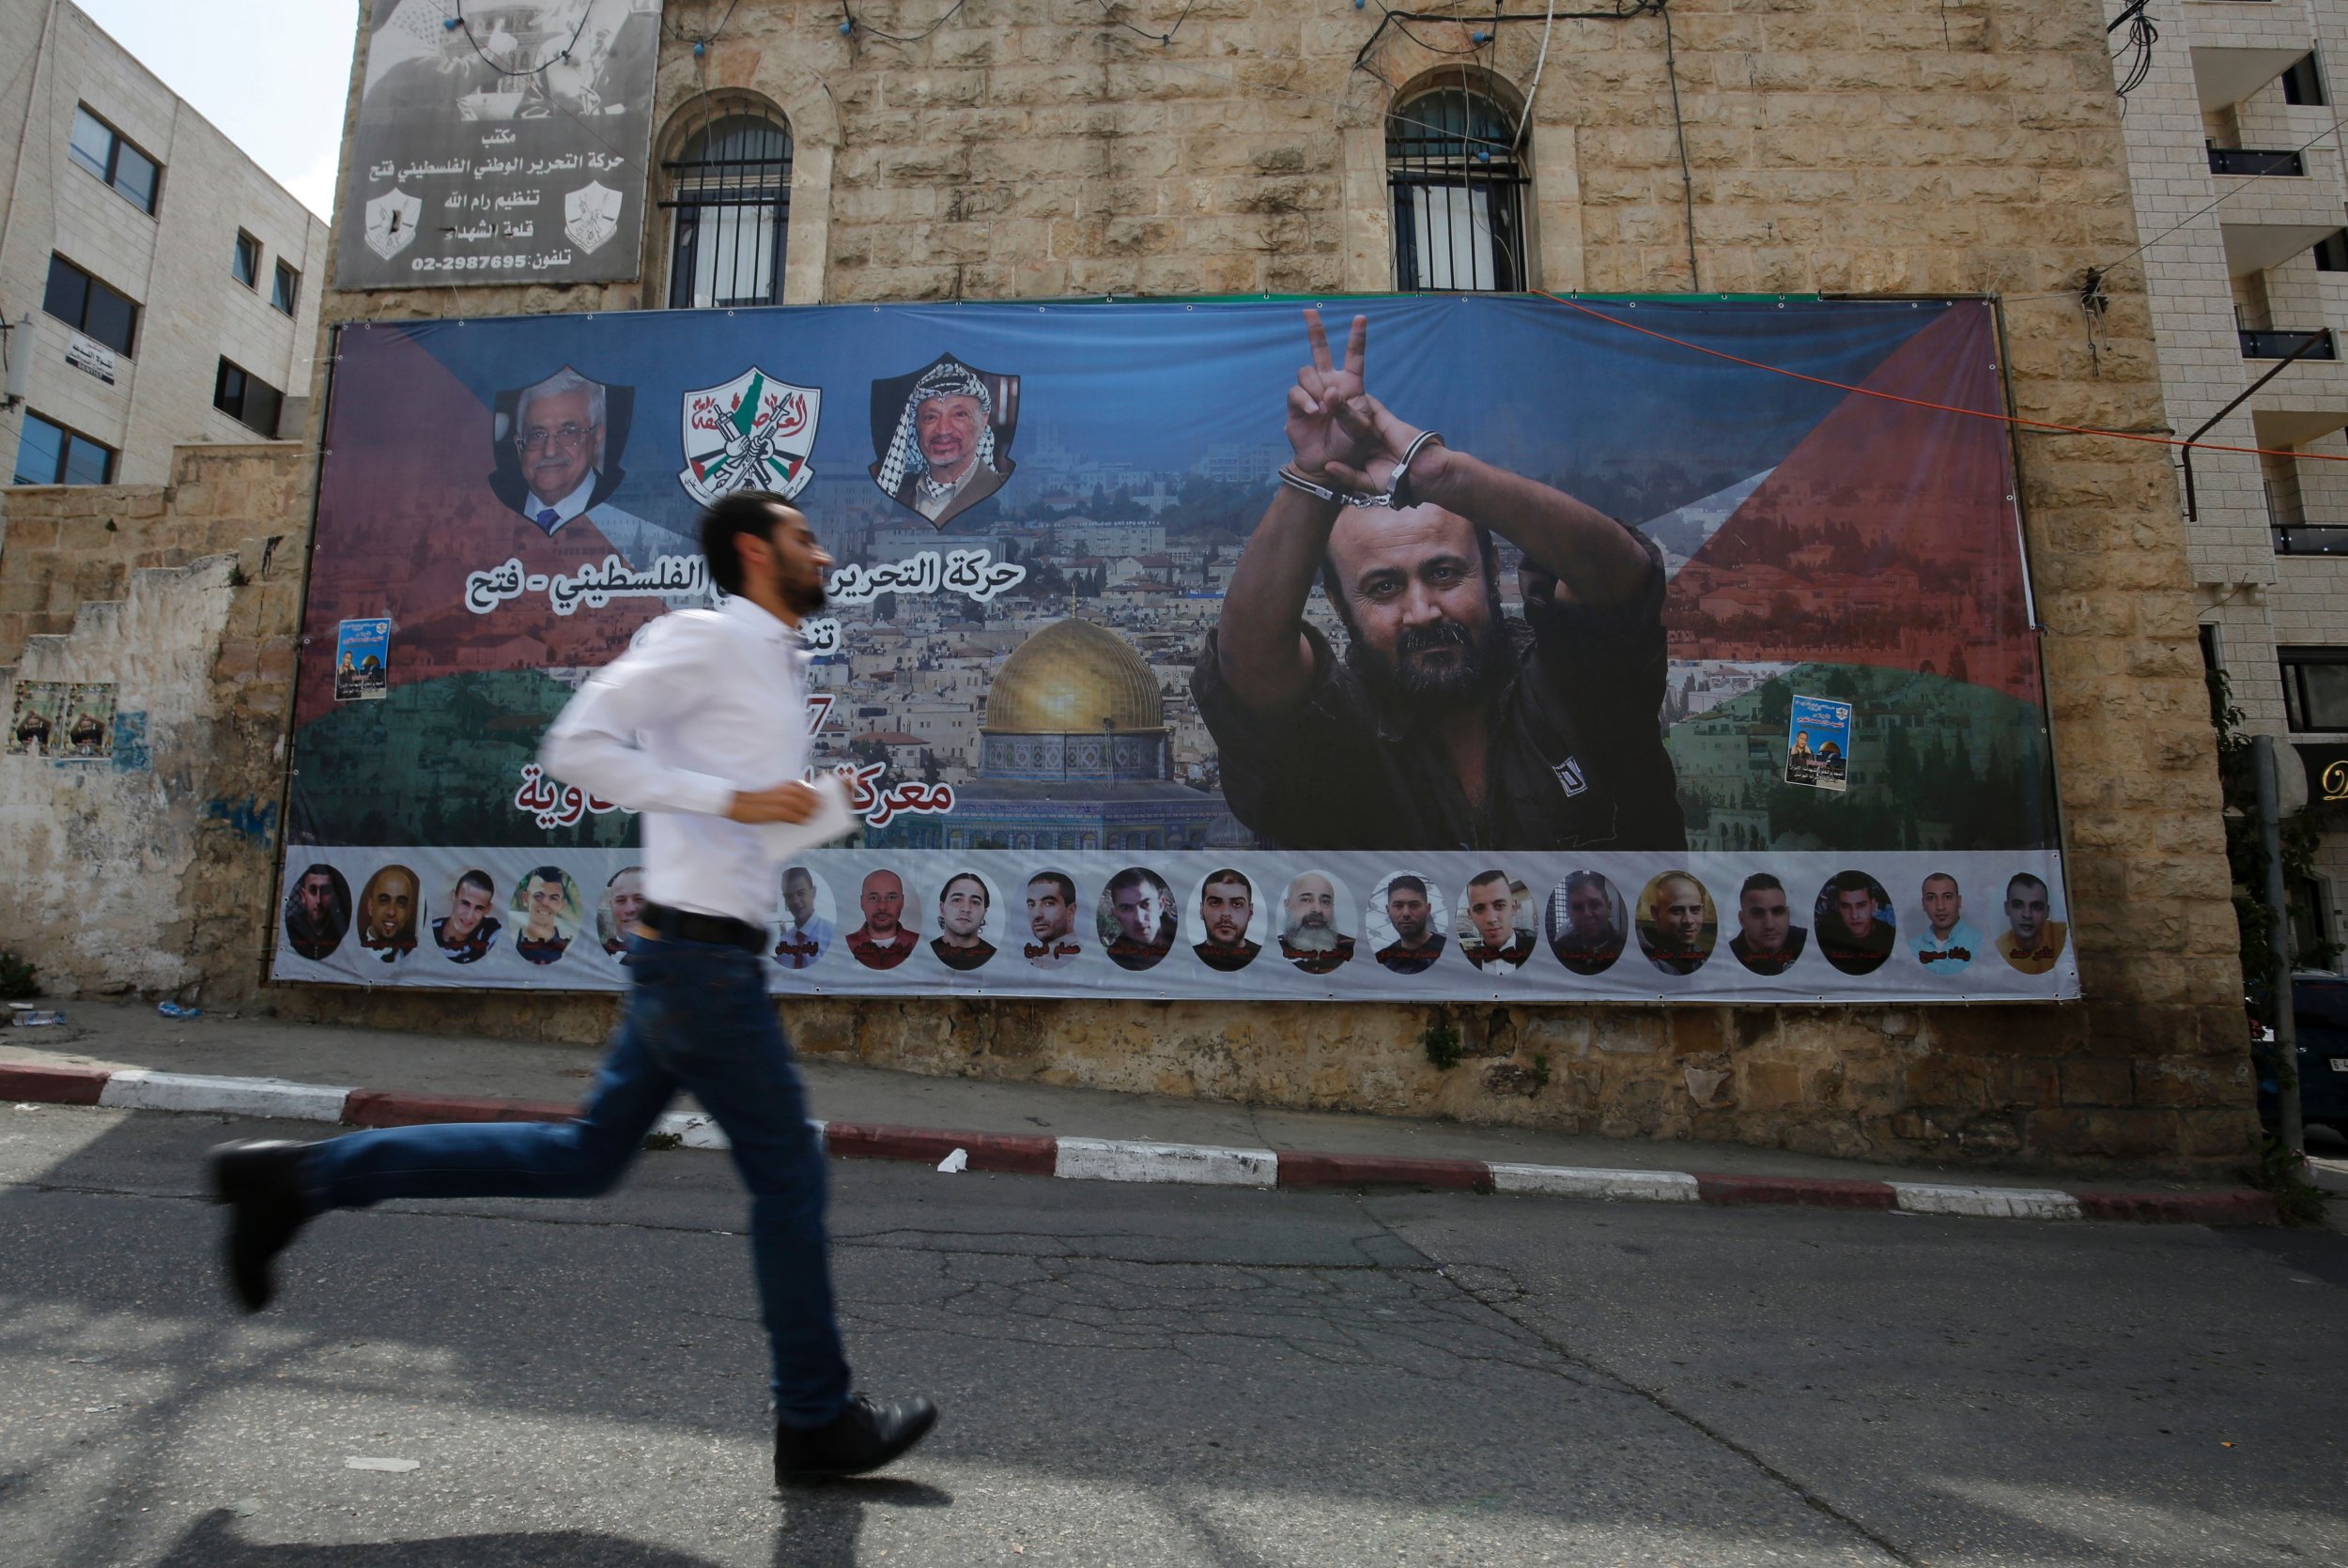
{"x":1458,"y":192}
{"x":730,"y":188}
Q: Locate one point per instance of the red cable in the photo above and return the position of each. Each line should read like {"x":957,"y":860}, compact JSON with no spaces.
{"x":1939,"y":407}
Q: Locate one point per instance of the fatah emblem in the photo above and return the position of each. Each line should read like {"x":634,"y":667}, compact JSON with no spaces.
{"x":752,"y":433}
{"x":590,"y":215}
{"x":392,"y":223}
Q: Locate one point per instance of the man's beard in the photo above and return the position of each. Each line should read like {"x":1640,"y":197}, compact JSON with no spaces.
{"x":804,"y":598}
{"x":1313,"y":939}
{"x":1479,"y":669}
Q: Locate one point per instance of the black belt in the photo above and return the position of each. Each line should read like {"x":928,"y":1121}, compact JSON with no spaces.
{"x":683,"y":924}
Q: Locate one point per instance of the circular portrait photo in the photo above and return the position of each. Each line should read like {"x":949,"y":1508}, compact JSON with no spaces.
{"x":546,"y":912}
{"x":466,"y":930}
{"x":809,"y":918}
{"x":1403,"y":921}
{"x":1677,"y":925}
{"x":318,"y":910}
{"x":1314,"y":911}
{"x":941,"y":436}
{"x":2033,"y":938}
{"x":1587,"y":923}
{"x":623,"y":900}
{"x":892,"y":923}
{"x":1135,"y":919}
{"x":387,"y":913}
{"x":1051,"y":904}
{"x":1853,"y":919}
{"x":1766,"y":941}
{"x":1943,"y":941}
{"x":1226,"y":923}
{"x":969,"y":921}
{"x":1496,"y":922}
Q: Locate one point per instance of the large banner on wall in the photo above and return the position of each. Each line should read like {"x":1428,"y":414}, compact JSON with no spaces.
{"x":504,"y":144}
{"x":1700,"y":682}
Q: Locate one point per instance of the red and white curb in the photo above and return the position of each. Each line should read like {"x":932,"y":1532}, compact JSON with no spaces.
{"x":1128,"y":1160}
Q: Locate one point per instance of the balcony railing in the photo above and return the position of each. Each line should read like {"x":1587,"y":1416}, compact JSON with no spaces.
{"x":2278,"y":346}
{"x":2310,"y":539}
{"x":2255,"y":161}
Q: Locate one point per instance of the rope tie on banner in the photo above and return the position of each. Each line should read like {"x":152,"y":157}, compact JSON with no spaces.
{"x":1940,"y":407}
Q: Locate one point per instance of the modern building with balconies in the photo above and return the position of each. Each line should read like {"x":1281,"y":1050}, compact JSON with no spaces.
{"x":2236,"y":158}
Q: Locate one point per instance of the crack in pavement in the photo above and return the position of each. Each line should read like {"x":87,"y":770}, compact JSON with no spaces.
{"x":1455,"y":1276}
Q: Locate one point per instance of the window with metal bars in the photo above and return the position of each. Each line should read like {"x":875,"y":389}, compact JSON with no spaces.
{"x":1458,"y":192}
{"x":729,"y":193}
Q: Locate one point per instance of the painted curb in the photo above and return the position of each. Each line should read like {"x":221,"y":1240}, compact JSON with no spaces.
{"x":1138,"y":1161}
{"x":139,"y":1090}
{"x":1106,"y":1160}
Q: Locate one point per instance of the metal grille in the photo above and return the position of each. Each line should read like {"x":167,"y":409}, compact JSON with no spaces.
{"x":1459,"y":194}
{"x":730,"y":191}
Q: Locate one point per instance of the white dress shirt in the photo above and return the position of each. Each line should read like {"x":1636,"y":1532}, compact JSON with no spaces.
{"x":568,"y":508}
{"x":706,"y":704}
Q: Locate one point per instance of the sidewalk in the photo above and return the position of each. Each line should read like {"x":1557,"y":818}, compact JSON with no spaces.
{"x":1021,"y":1127}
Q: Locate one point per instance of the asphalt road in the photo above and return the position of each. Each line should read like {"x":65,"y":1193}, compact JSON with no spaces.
{"x":1153,"y":1375}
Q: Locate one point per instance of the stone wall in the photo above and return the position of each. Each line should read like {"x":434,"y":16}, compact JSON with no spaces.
{"x":1864,"y":146}
{"x":152,"y":871}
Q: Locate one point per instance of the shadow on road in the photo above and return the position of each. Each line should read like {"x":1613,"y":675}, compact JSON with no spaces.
{"x":213,"y":1543}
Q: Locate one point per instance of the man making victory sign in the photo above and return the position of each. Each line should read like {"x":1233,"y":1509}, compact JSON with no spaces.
{"x":1450,"y":724}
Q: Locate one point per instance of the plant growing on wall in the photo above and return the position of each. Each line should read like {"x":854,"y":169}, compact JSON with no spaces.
{"x":18,"y":978}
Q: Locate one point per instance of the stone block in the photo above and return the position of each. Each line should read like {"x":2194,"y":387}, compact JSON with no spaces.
{"x":2098,"y":1081}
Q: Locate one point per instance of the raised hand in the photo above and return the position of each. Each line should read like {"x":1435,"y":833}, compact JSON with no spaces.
{"x":1322,"y":388}
{"x":1368,"y":428}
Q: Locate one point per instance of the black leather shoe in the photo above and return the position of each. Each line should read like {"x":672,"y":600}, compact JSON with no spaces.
{"x":864,"y":1437}
{"x":257,"y":1180}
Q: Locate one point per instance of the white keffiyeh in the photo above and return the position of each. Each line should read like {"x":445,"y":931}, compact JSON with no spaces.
{"x":949,"y":377}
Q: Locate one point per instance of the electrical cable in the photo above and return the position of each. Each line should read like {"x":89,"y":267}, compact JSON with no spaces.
{"x":1539,"y":60}
{"x":1680,"y":126}
{"x":704,"y":39}
{"x":585,"y":15}
{"x":1167,"y":36}
{"x":2244,"y":184}
{"x":903,"y":37}
{"x":2142,"y":34}
{"x":1923,"y":402}
{"x":564,"y":54}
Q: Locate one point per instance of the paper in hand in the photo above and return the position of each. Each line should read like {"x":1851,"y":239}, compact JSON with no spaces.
{"x":832,"y":820}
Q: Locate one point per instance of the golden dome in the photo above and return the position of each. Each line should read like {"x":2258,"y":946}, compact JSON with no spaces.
{"x":1073,"y":678}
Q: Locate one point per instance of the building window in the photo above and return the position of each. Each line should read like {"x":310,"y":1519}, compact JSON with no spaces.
{"x":1458,"y":192}
{"x":90,"y":307}
{"x":2316,"y":687}
{"x":2301,"y":84}
{"x":98,"y":147}
{"x":285,"y":293}
{"x":246,"y":398}
{"x":2331,"y":252}
{"x":731,"y":191}
{"x":245,"y":267}
{"x":49,"y":454}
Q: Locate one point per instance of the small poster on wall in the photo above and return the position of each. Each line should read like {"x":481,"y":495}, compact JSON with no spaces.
{"x":89,"y":721}
{"x":362,"y":651}
{"x":33,"y":727}
{"x":1818,"y":744}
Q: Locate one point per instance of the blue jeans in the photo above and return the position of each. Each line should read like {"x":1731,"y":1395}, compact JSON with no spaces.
{"x":698,"y":1019}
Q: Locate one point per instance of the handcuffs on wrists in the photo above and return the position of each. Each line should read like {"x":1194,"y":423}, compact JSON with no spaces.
{"x":1397,"y":494}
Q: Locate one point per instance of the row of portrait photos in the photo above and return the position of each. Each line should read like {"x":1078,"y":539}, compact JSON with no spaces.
{"x":1230,"y":921}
